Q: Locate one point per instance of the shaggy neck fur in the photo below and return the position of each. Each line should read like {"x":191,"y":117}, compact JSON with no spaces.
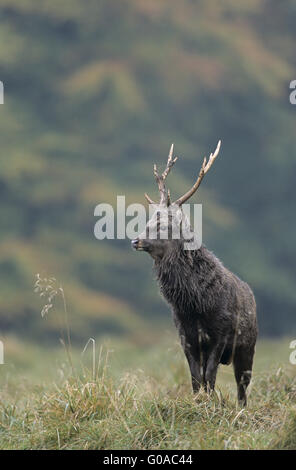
{"x":190,"y":280}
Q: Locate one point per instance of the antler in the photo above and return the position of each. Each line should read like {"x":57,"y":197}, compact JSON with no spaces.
{"x":160,"y":179}
{"x":204,"y":169}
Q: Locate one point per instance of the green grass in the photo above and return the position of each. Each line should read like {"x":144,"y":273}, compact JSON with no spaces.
{"x":136,"y":397}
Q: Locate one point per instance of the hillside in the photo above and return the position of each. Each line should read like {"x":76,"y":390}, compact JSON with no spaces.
{"x":95,"y":92}
{"x":126,"y":397}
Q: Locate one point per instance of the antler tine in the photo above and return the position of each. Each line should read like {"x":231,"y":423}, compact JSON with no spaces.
{"x":161,"y":186}
{"x":161,"y":179}
{"x":157,"y":177}
{"x":212,"y":157}
{"x":149,"y":199}
{"x":169,"y":198}
{"x":170,"y":163}
{"x":171,"y":152}
{"x":204,"y":169}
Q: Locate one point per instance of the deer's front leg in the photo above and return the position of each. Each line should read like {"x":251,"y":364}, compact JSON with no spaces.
{"x":212,"y":365}
{"x":191,"y":350}
{"x":196,"y":376}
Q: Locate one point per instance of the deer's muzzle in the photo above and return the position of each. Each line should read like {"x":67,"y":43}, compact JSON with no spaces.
{"x":139,"y":245}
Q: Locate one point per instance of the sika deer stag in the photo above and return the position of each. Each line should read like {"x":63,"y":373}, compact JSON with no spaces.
{"x":214,"y":311}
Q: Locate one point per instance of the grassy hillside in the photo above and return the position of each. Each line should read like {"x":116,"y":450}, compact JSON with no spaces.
{"x":132,"y":397}
{"x":95,"y":92}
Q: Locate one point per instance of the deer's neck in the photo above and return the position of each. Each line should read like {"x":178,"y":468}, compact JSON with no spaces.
{"x":185,"y":278}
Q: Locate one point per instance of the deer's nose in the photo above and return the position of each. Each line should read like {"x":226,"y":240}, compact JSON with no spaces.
{"x":135,"y":243}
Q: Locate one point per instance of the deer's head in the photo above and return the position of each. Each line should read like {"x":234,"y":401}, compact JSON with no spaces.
{"x":169,"y":225}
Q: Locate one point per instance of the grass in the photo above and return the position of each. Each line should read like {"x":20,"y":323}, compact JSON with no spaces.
{"x":136,"y":394}
{"x":108,"y":402}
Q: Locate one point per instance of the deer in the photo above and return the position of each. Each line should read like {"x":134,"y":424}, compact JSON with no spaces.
{"x":213,"y":310}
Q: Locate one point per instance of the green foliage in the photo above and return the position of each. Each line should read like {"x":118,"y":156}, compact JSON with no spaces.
{"x":95,"y":92}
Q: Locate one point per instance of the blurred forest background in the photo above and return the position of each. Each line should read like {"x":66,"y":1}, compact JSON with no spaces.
{"x":95,"y":92}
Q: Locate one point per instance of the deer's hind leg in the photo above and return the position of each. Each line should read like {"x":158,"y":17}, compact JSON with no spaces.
{"x":243,"y":363}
